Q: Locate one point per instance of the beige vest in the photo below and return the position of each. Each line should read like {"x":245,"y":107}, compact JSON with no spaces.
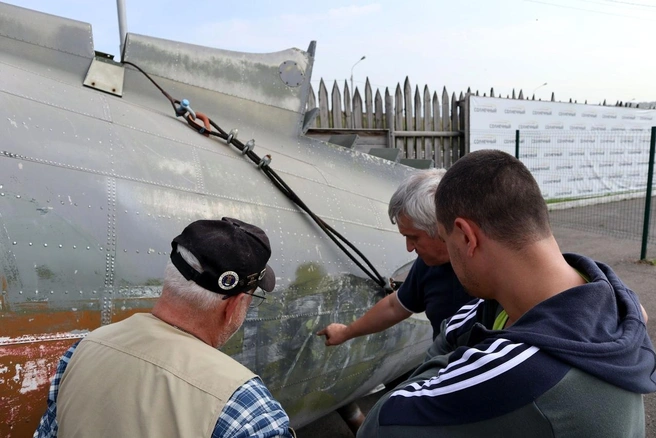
{"x":142,"y":377}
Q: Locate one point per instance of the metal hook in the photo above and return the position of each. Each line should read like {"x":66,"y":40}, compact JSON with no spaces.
{"x":249,"y":146}
{"x":185,"y":108}
{"x":232,"y":135}
{"x":264,"y":161}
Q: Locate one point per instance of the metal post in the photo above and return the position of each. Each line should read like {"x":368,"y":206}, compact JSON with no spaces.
{"x":352,"y":89}
{"x":467,"y":125}
{"x":650,"y":181}
{"x":517,"y":144}
{"x":122,"y":23}
{"x":352,"y":415}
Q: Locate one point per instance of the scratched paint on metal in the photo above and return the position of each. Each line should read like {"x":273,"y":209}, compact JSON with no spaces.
{"x":25,"y":372}
{"x":93,"y":188}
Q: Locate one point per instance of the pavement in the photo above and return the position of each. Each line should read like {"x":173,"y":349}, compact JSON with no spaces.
{"x":622,"y":255}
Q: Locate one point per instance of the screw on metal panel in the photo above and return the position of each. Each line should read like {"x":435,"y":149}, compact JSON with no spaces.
{"x":60,"y":246}
{"x":74,"y":247}
{"x":30,"y":243}
{"x":15,"y":243}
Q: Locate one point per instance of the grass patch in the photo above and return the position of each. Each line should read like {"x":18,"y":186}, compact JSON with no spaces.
{"x":599,"y":196}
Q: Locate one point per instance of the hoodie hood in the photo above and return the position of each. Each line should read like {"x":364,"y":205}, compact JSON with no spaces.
{"x":597,"y":327}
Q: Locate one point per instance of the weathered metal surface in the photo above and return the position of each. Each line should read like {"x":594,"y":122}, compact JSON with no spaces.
{"x":256,"y":77}
{"x":45,"y":30}
{"x":93,"y":188}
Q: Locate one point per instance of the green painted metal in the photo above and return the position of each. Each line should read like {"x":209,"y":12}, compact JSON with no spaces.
{"x":648,"y":194}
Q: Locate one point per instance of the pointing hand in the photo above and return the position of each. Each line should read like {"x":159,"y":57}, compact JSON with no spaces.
{"x":335,"y":334}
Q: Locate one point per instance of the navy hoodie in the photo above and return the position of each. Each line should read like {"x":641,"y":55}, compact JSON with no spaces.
{"x":597,"y":328}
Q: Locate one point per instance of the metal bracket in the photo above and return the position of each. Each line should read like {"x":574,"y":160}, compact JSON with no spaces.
{"x":345,"y":140}
{"x":105,"y":74}
{"x":392,"y":154}
{"x":418,"y":163}
{"x":309,"y":118}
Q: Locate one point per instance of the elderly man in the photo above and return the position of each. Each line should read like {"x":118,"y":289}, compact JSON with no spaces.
{"x":431,"y":285}
{"x":160,"y":374}
{"x":556,"y":345}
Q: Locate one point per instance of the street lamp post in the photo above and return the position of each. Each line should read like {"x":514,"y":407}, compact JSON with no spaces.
{"x":352,"y":89}
{"x":539,"y":86}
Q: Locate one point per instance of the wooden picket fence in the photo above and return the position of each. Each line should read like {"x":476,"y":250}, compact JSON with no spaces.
{"x":421,"y":124}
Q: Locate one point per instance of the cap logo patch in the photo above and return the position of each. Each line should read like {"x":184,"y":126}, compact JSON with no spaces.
{"x":228,"y":280}
{"x":262,"y":274}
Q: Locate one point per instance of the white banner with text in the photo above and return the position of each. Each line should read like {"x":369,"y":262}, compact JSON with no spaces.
{"x":574,"y":151}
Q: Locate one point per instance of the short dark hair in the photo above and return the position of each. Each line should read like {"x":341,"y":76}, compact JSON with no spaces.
{"x":497,"y":192}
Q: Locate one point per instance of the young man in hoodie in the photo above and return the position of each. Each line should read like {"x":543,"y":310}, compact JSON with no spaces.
{"x":556,"y":346}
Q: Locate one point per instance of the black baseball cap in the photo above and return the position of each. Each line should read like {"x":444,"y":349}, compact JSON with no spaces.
{"x":232,"y":253}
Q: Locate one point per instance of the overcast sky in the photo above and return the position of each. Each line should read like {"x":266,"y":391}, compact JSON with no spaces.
{"x":582,"y":49}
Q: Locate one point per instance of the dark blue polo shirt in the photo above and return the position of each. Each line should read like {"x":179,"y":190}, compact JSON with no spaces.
{"x":432,"y":289}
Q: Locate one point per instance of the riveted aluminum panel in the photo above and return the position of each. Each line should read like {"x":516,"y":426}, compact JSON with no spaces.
{"x":254,"y":77}
{"x":45,"y":30}
{"x":99,"y":185}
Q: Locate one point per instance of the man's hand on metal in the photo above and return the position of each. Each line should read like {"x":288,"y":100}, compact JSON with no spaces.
{"x":335,"y":334}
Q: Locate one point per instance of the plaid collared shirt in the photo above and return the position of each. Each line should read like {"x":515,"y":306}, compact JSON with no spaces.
{"x":251,"y":411}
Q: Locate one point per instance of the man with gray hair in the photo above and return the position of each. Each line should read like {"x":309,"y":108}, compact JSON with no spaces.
{"x":431,"y":285}
{"x":555,"y":345}
{"x":161,"y":373}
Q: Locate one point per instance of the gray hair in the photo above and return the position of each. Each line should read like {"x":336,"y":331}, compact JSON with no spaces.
{"x":415,"y":198}
{"x":181,"y":288}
